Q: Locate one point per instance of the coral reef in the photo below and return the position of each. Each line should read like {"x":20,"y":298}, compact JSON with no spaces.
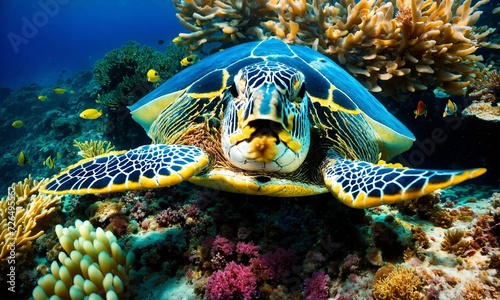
{"x":89,"y":149}
{"x":92,"y":264}
{"x":23,"y":218}
{"x":121,"y":74}
{"x":453,"y":241}
{"x":391,"y":46}
{"x":235,"y":282}
{"x":397,"y":282}
{"x":316,"y":287}
{"x":21,"y":213}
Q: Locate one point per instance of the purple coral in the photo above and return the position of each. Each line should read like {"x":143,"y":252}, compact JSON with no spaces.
{"x":316,"y":288}
{"x":235,"y":282}
{"x":275,"y":265}
{"x":169,"y":217}
{"x":249,"y":249}
{"x":223,"y":246}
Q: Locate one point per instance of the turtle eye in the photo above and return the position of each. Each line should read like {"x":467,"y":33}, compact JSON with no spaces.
{"x":300,"y":95}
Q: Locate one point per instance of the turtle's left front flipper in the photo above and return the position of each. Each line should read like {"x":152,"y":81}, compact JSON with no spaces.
{"x":146,"y":167}
{"x":360,"y":184}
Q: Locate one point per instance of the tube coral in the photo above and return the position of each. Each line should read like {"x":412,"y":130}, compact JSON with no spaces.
{"x":389,"y":45}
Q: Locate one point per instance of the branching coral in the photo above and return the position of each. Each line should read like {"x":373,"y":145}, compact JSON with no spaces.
{"x":390,"y":45}
{"x":20,"y":213}
{"x":92,"y":265}
{"x":89,"y":149}
{"x":400,"y":282}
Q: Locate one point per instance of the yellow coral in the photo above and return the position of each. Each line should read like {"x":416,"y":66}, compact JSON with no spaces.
{"x":92,"y":148}
{"x":20,"y":213}
{"x":453,"y":241}
{"x":93,"y":266}
{"x":400,"y":282}
{"x":390,"y":45}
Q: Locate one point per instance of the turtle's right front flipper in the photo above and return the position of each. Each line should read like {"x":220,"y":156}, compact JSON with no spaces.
{"x":360,"y":184}
{"x":150,"y":166}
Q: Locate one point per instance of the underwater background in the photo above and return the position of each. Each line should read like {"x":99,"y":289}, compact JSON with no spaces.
{"x":61,"y":58}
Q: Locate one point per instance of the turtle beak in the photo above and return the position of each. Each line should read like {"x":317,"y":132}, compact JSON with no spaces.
{"x":266,"y":104}
{"x":264,"y":116}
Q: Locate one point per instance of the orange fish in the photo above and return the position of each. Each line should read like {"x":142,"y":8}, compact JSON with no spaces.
{"x":421,"y":109}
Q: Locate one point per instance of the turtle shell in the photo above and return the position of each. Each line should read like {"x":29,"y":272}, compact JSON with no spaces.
{"x":329,"y":87}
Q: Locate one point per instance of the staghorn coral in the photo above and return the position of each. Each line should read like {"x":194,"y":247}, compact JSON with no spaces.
{"x":92,"y":148}
{"x":21,"y":212}
{"x":92,"y":264}
{"x":390,"y":45}
{"x":397,"y":282}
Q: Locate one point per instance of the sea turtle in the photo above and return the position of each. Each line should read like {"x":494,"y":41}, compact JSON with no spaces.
{"x":264,"y":118}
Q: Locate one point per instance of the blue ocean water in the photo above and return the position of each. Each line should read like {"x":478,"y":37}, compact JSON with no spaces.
{"x":46,"y":40}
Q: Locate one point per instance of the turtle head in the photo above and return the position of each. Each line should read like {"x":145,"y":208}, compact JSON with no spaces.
{"x":266,"y":125}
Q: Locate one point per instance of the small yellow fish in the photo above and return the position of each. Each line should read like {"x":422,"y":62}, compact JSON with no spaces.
{"x":18,"y":124}
{"x":49,"y":162}
{"x":42,"y":98}
{"x":22,"y":159}
{"x":59,"y":91}
{"x":91,"y":114}
{"x":153,"y":76}
{"x":450,"y":109}
{"x":188,"y":60}
{"x":176,"y":39}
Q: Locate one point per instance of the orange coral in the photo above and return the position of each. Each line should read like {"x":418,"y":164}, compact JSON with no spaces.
{"x":399,"y":282}
{"x":390,"y":45}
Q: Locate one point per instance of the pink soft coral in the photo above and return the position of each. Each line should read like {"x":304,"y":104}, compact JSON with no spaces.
{"x":223,"y":246}
{"x":316,"y":288}
{"x":249,"y":249}
{"x":235,"y":282}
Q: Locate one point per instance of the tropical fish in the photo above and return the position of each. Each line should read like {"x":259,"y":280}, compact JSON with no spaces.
{"x":421,"y":109}
{"x":176,"y":39}
{"x":42,"y":98}
{"x":188,"y":60}
{"x":59,"y":91}
{"x":91,"y":114}
{"x":49,"y":162}
{"x":18,"y":124}
{"x":71,"y":92}
{"x":450,"y":109}
{"x":22,"y":159}
{"x":153,"y":76}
